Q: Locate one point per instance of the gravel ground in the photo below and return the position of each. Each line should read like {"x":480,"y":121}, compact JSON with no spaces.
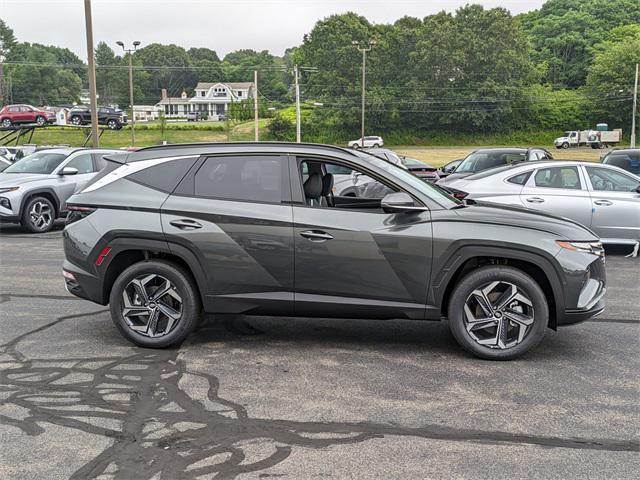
{"x":304,"y":398}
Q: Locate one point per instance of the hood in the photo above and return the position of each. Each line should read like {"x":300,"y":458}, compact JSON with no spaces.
{"x":17,"y":179}
{"x":522,"y":217}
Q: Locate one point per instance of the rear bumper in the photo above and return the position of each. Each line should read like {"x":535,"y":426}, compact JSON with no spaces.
{"x":82,"y":284}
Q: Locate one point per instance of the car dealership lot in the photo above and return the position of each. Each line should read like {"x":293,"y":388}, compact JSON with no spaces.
{"x":271,"y":397}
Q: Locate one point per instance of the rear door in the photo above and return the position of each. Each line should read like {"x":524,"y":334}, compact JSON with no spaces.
{"x":234,"y":213}
{"x":615,"y":202}
{"x":559,"y":191}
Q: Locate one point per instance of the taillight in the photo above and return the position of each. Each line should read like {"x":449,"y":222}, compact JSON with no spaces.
{"x":78,"y":212}
{"x":459,"y":194}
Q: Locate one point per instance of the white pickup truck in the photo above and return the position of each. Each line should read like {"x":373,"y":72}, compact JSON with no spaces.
{"x":594,"y":138}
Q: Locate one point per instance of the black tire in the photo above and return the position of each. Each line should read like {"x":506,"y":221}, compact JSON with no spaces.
{"x":484,"y":276}
{"x":76,"y":120}
{"x":34,"y":224}
{"x":113,"y":124}
{"x":40,"y":121}
{"x":6,"y":122}
{"x":375,"y":145}
{"x":355,"y":146}
{"x":565,"y":145}
{"x":186,"y":288}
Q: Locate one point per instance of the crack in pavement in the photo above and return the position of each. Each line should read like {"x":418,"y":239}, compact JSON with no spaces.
{"x":142,"y":403}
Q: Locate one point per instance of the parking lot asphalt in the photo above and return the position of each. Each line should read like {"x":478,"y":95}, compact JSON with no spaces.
{"x":305,"y":398}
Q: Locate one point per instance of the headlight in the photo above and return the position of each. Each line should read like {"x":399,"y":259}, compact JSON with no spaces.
{"x":8,"y":189}
{"x":594,"y":248}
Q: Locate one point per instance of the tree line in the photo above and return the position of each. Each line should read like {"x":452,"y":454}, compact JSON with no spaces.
{"x":568,"y":64}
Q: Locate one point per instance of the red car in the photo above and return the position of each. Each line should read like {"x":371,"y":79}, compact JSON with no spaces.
{"x":14,"y":114}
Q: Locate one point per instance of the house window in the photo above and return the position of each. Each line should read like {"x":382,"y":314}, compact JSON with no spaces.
{"x":166,"y":109}
{"x":239,"y":93}
{"x":202,"y":94}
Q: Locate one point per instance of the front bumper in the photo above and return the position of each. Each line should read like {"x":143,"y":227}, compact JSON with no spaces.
{"x":9,"y":219}
{"x":577,"y":315}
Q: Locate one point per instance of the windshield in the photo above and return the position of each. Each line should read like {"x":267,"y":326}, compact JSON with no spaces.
{"x":476,"y":162}
{"x":39,"y":162}
{"x":428,"y":189}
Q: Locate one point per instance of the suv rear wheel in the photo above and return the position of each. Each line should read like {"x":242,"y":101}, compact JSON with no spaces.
{"x":155,"y":304}
{"x":38,"y":215}
{"x":498,"y":313}
{"x":113,"y":124}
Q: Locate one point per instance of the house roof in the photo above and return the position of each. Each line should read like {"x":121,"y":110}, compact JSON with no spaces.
{"x":173,"y":101}
{"x":208,"y":85}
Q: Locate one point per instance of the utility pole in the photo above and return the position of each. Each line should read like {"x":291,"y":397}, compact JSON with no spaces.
{"x":635,"y":106}
{"x":92,"y":74}
{"x":133,"y":113}
{"x":255,"y":106}
{"x":295,"y":74}
{"x":364,"y":49}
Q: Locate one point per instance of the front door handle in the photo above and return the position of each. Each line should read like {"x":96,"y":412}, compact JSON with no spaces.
{"x":316,"y":235}
{"x":185,"y":224}
{"x":535,"y":200}
{"x":603,"y":202}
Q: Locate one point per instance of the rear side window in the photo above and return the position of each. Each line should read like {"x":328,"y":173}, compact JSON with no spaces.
{"x":164,"y":176}
{"x":558,"y":177}
{"x":257,"y":178}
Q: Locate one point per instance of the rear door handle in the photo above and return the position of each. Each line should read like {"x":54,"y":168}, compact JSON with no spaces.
{"x":316,"y":235}
{"x":185,"y":224}
{"x":603,"y":202}
{"x":535,"y":200}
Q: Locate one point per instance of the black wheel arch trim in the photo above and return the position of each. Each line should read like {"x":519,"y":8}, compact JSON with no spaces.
{"x":31,"y":193}
{"x":121,"y":241}
{"x":457,"y":254}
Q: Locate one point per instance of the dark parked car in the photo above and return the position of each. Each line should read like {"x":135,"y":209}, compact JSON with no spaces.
{"x":420,"y":169}
{"x":254,"y":228}
{"x":111,"y":117}
{"x":16,"y":114}
{"x":486,"y":158}
{"x":627,"y":159}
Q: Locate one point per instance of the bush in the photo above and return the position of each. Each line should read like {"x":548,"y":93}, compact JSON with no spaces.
{"x":282,"y":128}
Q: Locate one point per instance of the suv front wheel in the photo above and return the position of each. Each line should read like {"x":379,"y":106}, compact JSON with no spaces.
{"x":498,"y":313}
{"x":38,"y":215}
{"x":155,"y":304}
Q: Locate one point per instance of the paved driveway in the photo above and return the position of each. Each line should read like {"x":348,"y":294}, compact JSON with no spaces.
{"x":302,"y":398}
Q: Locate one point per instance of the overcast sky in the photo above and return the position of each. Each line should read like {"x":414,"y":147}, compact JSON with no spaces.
{"x":222,"y":25}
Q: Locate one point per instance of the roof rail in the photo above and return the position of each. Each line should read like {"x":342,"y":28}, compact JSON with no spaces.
{"x":186,"y":147}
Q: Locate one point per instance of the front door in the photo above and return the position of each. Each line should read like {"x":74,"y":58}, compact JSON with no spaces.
{"x":616,"y":204}
{"x":352,"y":258}
{"x":558,"y":191}
{"x":236,"y":221}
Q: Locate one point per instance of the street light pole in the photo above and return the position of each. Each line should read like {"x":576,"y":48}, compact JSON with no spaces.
{"x":364,"y":49}
{"x":92,"y":74}
{"x":133,"y":114}
{"x":635,"y":106}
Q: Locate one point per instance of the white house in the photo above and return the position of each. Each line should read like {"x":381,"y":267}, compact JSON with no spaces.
{"x":145,"y":113}
{"x":210,"y":98}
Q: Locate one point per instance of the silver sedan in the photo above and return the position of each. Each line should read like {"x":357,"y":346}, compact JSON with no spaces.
{"x":602,"y":197}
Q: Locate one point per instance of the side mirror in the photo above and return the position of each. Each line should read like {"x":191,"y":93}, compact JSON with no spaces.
{"x":398,"y":202}
{"x":68,"y":171}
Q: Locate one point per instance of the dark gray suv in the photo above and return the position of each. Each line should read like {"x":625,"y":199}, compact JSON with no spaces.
{"x":256,"y":228}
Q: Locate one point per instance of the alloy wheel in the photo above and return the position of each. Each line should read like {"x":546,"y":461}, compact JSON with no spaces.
{"x":152,"y":305}
{"x":499,"y":315}
{"x":41,"y":215}
{"x":6,"y":123}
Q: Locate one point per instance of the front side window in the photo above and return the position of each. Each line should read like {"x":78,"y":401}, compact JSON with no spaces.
{"x":84,"y":163}
{"x":250,"y":178}
{"x":558,"y":177}
{"x":39,"y":162}
{"x":607,"y":180}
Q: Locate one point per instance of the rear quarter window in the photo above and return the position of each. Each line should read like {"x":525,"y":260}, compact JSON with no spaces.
{"x":164,"y":176}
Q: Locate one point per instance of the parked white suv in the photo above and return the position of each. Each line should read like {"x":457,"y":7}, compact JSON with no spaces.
{"x":369,"y":142}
